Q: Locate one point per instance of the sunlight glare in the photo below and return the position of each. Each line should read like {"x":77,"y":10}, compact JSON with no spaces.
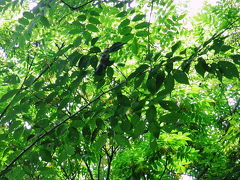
{"x":186,"y":177}
{"x":195,"y":6}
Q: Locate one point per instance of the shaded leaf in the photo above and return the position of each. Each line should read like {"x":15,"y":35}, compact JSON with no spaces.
{"x":228,"y":69}
{"x":169,"y":105}
{"x":180,"y":76}
{"x":8,"y":95}
{"x":45,"y":155}
{"x":122,"y":141}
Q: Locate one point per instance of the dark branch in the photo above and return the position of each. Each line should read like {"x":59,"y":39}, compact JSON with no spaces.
{"x":79,"y":7}
{"x":89,"y":170}
{"x":99,"y":167}
{"x":165,"y":167}
{"x":55,"y":127}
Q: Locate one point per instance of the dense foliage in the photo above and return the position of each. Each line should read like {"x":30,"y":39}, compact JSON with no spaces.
{"x":113,"y":89}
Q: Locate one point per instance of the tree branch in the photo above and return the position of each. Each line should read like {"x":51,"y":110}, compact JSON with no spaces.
{"x":99,"y":167}
{"x":79,"y":7}
{"x":55,"y":127}
{"x":89,"y":170}
{"x":165,"y":167}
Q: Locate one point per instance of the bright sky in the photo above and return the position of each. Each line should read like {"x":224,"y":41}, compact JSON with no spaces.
{"x":195,"y":6}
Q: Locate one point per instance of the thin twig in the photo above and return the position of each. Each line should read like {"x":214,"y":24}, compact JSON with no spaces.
{"x":89,"y":170}
{"x":99,"y":167}
{"x":77,"y":8}
{"x":165,"y":167}
{"x":55,"y":127}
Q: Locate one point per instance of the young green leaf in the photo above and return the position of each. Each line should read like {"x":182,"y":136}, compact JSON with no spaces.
{"x":176,"y":46}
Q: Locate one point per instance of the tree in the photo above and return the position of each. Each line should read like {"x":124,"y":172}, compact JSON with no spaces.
{"x":104,"y":90}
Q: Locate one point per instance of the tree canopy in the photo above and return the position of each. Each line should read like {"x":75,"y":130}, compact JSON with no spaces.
{"x":119,"y":89}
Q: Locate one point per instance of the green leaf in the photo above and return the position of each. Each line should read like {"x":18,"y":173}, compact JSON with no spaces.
{"x":20,"y":28}
{"x":44,"y":21}
{"x":225,"y":48}
{"x":87,"y":36}
{"x":135,"y":46}
{"x":181,"y":17}
{"x":75,"y":31}
{"x":154,"y":128}
{"x":73,"y":134}
{"x":180,"y":76}
{"x":125,"y":30}
{"x":94,"y":40}
{"x":92,"y":28}
{"x":122,"y":14}
{"x":12,"y":79}
{"x":235,"y":58}
{"x":138,"y":17}
{"x":151,"y":114}
{"x":84,"y":61}
{"x":93,"y":20}
{"x":123,"y":100}
{"x":110,"y":72}
{"x":228,"y":69}
{"x":100,"y":142}
{"x":23,"y":21}
{"x":124,"y":23}
{"x":28,"y":15}
{"x":93,"y":61}
{"x":127,"y":37}
{"x":122,"y":141}
{"x":149,"y":57}
{"x":142,"y":33}
{"x":94,"y":50}
{"x":160,"y":76}
{"x":82,"y":17}
{"x":169,"y":83}
{"x":151,"y":84}
{"x":86,"y":132}
{"x":77,"y":41}
{"x":176,"y":46}
{"x":8,"y":95}
{"x":142,"y":25}
{"x":18,"y":133}
{"x":45,"y":155}
{"x":74,"y":57}
{"x":94,"y":13}
{"x":169,"y":105}
{"x":201,"y":67}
